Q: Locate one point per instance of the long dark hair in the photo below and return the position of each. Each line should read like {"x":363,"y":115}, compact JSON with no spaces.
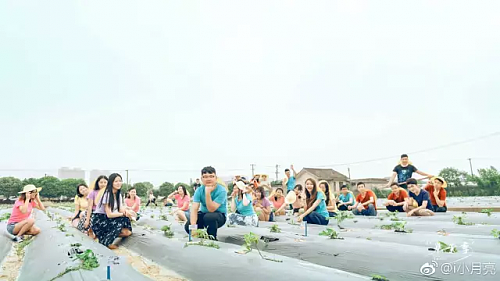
{"x":78,"y":189}
{"x":262,"y":192}
{"x":327,"y":192}
{"x":96,"y":186}
{"x":276,"y":197}
{"x":128,"y":192}
{"x":183,"y":189}
{"x":109,"y":192}
{"x":311,"y":197}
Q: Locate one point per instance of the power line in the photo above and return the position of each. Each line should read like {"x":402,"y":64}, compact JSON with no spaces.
{"x":415,"y":152}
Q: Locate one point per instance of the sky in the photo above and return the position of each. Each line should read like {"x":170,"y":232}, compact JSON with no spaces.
{"x":164,"y":88}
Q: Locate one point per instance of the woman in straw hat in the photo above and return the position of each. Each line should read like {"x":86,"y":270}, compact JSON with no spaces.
{"x":316,"y":212}
{"x":243,"y":212}
{"x":20,"y":222}
{"x":330,"y":201}
{"x":437,"y":193}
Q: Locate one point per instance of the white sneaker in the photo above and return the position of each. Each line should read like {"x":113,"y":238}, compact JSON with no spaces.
{"x":18,"y":239}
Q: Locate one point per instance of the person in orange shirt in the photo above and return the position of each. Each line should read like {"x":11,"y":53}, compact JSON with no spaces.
{"x":365,"y":202}
{"x":436,"y":188}
{"x":396,"y":199}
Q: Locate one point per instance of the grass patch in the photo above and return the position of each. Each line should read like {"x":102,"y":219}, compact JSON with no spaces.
{"x":275,"y":228}
{"x":377,"y":277}
{"x":20,"y":247}
{"x":460,"y":220}
{"x":330,"y":233}
{"x":5,"y":216}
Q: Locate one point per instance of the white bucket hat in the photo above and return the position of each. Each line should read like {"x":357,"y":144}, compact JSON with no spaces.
{"x":29,"y":188}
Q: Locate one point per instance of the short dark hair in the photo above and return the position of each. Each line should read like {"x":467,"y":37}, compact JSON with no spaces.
{"x":394,"y":183}
{"x":360,"y":183}
{"x":208,"y":170}
{"x":299,"y":187}
{"x":411,"y":181}
{"x":287,"y":170}
{"x":440,"y":180}
{"x":404,"y":155}
{"x":343,"y":186}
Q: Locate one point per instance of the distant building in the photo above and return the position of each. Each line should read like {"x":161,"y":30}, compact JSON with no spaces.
{"x":94,"y":174}
{"x":334,"y":178}
{"x":371,"y":183}
{"x":67,"y":173}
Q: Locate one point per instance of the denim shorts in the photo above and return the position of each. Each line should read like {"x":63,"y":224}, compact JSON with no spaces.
{"x":10,"y":227}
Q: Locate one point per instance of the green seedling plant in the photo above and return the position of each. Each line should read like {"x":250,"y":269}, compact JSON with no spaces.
{"x":163,"y":217}
{"x":88,"y":262}
{"x":445,"y":248}
{"x":275,"y":228}
{"x":20,"y":247}
{"x":152,"y":216}
{"x":167,"y":231}
{"x":460,"y":220}
{"x":377,"y":277}
{"x":4,"y":216}
{"x":292,"y":222}
{"x":330,"y":233}
{"x":61,"y":226}
{"x":342,"y":216}
{"x":399,"y":226}
{"x":495,"y":233}
{"x":203,"y":235}
{"x":393,"y":216}
{"x":487,"y":211}
{"x":147,"y":227}
{"x":251,"y":242}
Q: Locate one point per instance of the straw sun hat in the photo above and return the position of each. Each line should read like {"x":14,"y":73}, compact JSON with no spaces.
{"x":29,"y":188}
{"x":291,"y":197}
{"x":445,"y":184}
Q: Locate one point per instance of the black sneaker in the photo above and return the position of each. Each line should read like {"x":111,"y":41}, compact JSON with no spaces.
{"x":18,"y":239}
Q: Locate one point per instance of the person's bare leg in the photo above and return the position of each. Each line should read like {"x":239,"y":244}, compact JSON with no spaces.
{"x":75,"y":222}
{"x":125,"y":232}
{"x":424,"y":213}
{"x":33,"y":231}
{"x":260,"y":213}
{"x":21,"y":228}
{"x":181,"y":216}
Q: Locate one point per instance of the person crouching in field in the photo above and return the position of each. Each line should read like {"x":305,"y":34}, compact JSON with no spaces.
{"x":278,"y":201}
{"x":396,"y":199}
{"x":436,"y":188}
{"x":111,"y":219}
{"x":242,"y":208}
{"x":133,"y":203}
{"x":182,"y":198}
{"x":20,"y":222}
{"x":419,"y":202}
{"x":261,"y":204}
{"x":93,"y":200}
{"x":315,"y":210}
{"x":330,"y":198}
{"x":81,"y":205}
{"x":366,"y":202}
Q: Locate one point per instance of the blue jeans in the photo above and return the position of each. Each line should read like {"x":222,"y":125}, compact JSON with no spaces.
{"x":438,"y":209}
{"x":315,"y":218}
{"x":366,"y":212}
{"x":395,"y":208}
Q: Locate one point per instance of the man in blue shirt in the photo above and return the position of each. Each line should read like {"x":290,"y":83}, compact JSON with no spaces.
{"x":289,"y":181}
{"x":209,"y":206}
{"x":345,"y":199}
{"x":419,"y":203}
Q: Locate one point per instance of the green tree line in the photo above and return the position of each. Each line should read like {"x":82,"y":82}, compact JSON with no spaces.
{"x":54,"y":188}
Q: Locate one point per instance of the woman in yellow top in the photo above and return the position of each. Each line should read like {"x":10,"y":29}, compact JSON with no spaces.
{"x":80,"y":203}
{"x":330,"y":201}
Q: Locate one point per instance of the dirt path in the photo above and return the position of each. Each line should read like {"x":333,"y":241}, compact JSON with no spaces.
{"x":147,"y":267}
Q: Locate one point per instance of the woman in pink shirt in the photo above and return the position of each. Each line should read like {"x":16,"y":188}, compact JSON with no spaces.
{"x":20,"y":222}
{"x":182,"y":198}
{"x":133,"y":201}
{"x":278,"y":201}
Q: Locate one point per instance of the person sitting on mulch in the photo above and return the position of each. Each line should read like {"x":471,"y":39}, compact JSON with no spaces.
{"x":242,"y":208}
{"x":437,"y":192}
{"x":316,"y":212}
{"x":182,"y":198}
{"x":346,"y":199}
{"x":278,"y":201}
{"x":396,"y":199}
{"x":111,"y":219}
{"x":300,"y":203}
{"x":93,"y":200}
{"x":20,"y":222}
{"x":209,"y":206}
{"x":133,"y":202}
{"x":261,"y":204}
{"x":81,"y":205}
{"x":419,"y":202}
{"x":330,"y":198}
{"x":366,"y":202}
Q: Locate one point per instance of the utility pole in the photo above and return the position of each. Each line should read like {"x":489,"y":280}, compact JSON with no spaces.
{"x":277,"y":172}
{"x":349,"y":172}
{"x":253,"y":169}
{"x":470,"y":164}
{"x":127,"y":176}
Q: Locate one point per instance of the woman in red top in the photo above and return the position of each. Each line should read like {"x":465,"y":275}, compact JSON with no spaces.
{"x":20,"y":222}
{"x":182,"y":198}
{"x":278,"y":201}
{"x":436,"y":188}
{"x":396,"y":199}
